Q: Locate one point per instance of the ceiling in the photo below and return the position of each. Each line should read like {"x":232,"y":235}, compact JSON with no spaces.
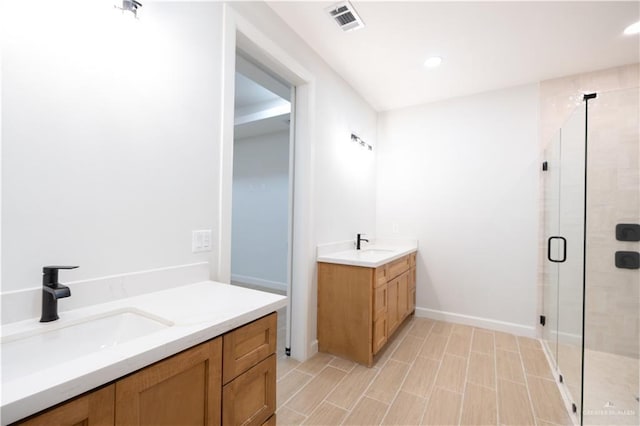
{"x":484,"y":45}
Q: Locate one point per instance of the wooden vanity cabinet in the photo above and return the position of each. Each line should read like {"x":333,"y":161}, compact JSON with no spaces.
{"x":359,"y":308}
{"x":187,"y":388}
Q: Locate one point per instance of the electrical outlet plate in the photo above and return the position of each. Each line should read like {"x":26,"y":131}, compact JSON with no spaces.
{"x":201,"y":240}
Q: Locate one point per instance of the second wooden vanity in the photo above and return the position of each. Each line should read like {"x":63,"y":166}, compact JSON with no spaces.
{"x":359,"y":308}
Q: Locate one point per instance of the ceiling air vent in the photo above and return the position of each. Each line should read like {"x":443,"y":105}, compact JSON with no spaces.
{"x":345,"y":16}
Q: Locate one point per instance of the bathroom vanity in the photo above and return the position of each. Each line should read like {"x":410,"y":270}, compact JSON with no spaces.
{"x":213,"y":362}
{"x":363,"y":297}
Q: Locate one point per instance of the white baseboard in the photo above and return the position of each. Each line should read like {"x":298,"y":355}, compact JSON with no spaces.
{"x":273,"y":285}
{"x":491,"y":324}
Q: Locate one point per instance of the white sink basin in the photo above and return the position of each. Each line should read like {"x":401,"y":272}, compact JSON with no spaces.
{"x":47,"y":345}
{"x":376,"y":251}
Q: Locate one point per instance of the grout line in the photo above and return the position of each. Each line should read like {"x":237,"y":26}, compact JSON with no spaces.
{"x":495,"y":378}
{"x":526,"y":383}
{"x":466,"y":378}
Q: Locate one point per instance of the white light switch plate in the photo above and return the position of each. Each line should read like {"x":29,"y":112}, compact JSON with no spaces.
{"x":201,"y":240}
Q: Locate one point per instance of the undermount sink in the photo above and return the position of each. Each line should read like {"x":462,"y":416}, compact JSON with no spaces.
{"x":45,"y":346}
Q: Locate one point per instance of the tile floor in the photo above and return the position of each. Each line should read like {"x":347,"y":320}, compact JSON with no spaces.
{"x":431,"y":373}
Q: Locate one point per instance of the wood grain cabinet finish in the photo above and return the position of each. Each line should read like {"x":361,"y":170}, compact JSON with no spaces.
{"x":359,"y":308}
{"x":96,"y":408}
{"x":186,"y":389}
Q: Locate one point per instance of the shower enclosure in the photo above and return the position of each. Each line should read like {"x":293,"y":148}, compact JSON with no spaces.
{"x":591,"y":302}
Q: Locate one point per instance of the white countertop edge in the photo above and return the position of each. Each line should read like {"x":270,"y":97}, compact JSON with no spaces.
{"x":98,"y":369}
{"x":348,"y":257}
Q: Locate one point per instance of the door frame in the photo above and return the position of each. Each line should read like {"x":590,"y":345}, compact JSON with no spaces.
{"x":238,"y":33}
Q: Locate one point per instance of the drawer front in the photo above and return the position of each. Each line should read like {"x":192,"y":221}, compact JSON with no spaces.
{"x":382,"y":275}
{"x":380,"y":301}
{"x":399,"y":266}
{"x":244,"y":347}
{"x":250,"y":399}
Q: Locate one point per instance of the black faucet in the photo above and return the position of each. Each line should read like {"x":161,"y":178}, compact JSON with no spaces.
{"x":52,"y":290}
{"x":359,"y":240}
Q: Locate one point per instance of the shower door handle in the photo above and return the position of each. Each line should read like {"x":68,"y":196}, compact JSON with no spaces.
{"x":564,"y":249}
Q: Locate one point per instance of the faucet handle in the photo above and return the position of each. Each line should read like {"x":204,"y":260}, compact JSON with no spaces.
{"x":46,"y":269}
{"x":50,"y":274}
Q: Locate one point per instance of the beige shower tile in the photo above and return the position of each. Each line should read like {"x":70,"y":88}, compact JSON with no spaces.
{"x":452,"y":373}
{"x":406,"y":409}
{"x":529,"y":343}
{"x":535,"y":363}
{"x":443,"y":408}
{"x":385,"y":386}
{"x":434,"y":346}
{"x":421,"y":377}
{"x":514,"y":404}
{"x":479,"y":406}
{"x":368,"y":412}
{"x":509,"y":366}
{"x":482,"y":370}
{"x":326,"y":414}
{"x":349,"y":390}
{"x":315,"y":391}
{"x":546,"y":400}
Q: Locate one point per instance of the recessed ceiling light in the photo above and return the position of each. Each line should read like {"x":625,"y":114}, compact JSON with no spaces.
{"x":433,"y":62}
{"x":632,"y":29}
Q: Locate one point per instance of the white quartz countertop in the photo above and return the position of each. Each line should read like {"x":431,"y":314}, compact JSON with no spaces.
{"x":193,"y":314}
{"x":370,"y":256}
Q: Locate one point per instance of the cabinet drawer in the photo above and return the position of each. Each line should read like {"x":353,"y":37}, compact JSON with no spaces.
{"x":380,"y":301}
{"x":250,"y":399}
{"x":398,"y":266}
{"x":246,"y":346}
{"x":381,"y":276}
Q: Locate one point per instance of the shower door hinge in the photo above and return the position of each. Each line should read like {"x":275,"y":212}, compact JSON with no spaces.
{"x":561,"y":378}
{"x":574,"y":408}
{"x":287,"y":351}
{"x":543,"y":320}
{"x":545,"y":166}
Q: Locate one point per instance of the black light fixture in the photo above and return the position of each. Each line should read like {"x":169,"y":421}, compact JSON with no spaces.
{"x":358,"y":140}
{"x":130,"y":6}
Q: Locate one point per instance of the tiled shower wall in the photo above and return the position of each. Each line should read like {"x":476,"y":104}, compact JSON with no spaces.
{"x":612,"y":297}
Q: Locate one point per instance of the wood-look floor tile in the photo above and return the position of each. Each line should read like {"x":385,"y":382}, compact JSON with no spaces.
{"x":479,"y":406}
{"x":513,"y":404}
{"x":342,"y":364}
{"x":316,"y":363}
{"x":434,"y":346}
{"x":443,"y":408}
{"x":288,"y":417}
{"x":509,"y":366}
{"x":385,"y":386}
{"x":452,"y":373}
{"x":406,"y":409}
{"x":529,"y":343}
{"x":421,"y":327}
{"x":482,"y":370}
{"x":349,"y":390}
{"x":535,"y":362}
{"x":408,"y":349}
{"x":421,"y":377}
{"x":505,"y":341}
{"x":368,"y":412}
{"x":284,"y":365}
{"x":482,"y":342}
{"x":547,"y":402}
{"x":290,"y":384}
{"x":462,"y":330}
{"x":442,"y":328}
{"x":326,"y":414}
{"x":315,"y":391}
{"x":459,"y":345}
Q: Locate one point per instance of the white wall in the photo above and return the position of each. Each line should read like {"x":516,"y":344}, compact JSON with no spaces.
{"x":109,"y":137}
{"x":260,"y":209}
{"x":462,"y":176}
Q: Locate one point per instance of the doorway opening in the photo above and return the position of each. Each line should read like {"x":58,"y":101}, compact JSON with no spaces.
{"x":262,"y":186}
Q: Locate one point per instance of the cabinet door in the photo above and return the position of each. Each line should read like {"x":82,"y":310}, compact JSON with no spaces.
{"x":250,"y":399}
{"x":379,"y":333}
{"x":380,"y":301}
{"x":184,"y":389}
{"x":392,"y":306}
{"x":403,"y":296}
{"x":93,"y":409}
{"x":412,"y":289}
